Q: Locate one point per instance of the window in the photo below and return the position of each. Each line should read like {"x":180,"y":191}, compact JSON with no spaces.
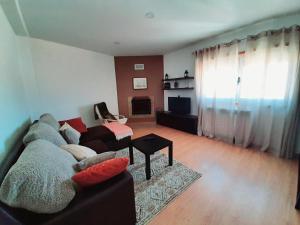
{"x":254,"y":79}
{"x":260,"y":81}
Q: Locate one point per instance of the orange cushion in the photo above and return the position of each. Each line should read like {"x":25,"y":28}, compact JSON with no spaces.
{"x":100,"y":172}
{"x":76,"y":123}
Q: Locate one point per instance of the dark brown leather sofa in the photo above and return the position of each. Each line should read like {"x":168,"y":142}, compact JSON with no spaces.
{"x":108,"y":203}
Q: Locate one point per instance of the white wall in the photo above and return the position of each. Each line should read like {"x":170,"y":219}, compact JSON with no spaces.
{"x":28,"y":76}
{"x":70,"y":80}
{"x":177,"y":61}
{"x":14,"y":113}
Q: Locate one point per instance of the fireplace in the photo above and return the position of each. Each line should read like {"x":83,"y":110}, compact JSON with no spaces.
{"x":141,"y":105}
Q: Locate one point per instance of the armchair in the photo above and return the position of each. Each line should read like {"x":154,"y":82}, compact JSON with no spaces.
{"x":101,"y":111}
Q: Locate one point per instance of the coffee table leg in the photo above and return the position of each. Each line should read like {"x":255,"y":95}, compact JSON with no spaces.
{"x":131,"y":154}
{"x":171,"y":154}
{"x":148,"y":169}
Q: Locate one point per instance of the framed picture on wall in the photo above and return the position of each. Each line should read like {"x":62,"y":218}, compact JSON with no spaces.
{"x":139,"y":83}
{"x":139,"y":67}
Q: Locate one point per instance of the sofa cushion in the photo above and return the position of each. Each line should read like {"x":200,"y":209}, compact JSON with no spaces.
{"x":97,"y":145}
{"x":71,"y":135}
{"x":78,"y":151}
{"x":100,"y":172}
{"x":40,"y":181}
{"x":76,"y":123}
{"x":43,"y":131}
{"x":83,"y":164}
{"x":50,"y":120}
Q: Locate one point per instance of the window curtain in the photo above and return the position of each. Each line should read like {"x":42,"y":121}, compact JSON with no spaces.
{"x":216,"y":78}
{"x":252,"y":99}
{"x":269,"y":91}
{"x":290,"y":142}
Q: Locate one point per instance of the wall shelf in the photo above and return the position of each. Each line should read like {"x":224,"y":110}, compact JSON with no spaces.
{"x":179,"y":88}
{"x":178,"y":78}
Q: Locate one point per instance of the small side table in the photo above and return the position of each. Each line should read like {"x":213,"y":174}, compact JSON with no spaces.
{"x":148,"y":145}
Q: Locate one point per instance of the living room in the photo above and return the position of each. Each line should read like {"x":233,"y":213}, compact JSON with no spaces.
{"x":147,"y":112}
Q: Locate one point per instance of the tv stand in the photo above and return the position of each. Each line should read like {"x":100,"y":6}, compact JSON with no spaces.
{"x":186,"y":123}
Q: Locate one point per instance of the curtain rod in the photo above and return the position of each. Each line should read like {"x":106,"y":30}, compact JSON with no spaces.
{"x":252,"y":37}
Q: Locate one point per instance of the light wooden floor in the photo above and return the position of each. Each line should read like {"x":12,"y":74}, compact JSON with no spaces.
{"x":238,"y":186}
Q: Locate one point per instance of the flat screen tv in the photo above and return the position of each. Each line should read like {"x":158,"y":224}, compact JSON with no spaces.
{"x":179,"y":105}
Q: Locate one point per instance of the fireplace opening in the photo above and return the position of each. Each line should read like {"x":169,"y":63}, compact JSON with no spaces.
{"x":141,"y":105}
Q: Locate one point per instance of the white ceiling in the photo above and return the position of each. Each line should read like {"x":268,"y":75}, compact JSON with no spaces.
{"x":97,"y":24}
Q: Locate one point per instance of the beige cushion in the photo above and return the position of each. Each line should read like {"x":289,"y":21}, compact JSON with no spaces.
{"x":78,"y":151}
{"x":83,"y":164}
{"x":40,"y":181}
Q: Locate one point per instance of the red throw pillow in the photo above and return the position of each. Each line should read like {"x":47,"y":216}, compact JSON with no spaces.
{"x":76,"y":123}
{"x":100,"y":172}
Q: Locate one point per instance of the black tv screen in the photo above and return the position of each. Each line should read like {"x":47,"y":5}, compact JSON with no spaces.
{"x":179,"y":105}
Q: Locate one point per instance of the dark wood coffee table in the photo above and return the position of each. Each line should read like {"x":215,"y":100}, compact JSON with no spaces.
{"x":149,"y":144}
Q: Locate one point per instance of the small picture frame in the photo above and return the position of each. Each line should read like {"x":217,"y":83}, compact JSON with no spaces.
{"x":139,"y":83}
{"x":139,"y":67}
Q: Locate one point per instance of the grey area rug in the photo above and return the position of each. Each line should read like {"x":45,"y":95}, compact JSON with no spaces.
{"x":166,"y":183}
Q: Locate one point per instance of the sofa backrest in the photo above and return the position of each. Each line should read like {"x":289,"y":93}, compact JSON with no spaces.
{"x":40,"y":181}
{"x":41,"y":130}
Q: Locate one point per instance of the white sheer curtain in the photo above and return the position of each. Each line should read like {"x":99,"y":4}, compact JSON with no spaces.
{"x":252,"y":99}
{"x":268,"y":88}
{"x":216,"y":90}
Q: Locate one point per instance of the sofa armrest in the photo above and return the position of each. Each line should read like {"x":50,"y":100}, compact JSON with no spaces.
{"x":110,"y":203}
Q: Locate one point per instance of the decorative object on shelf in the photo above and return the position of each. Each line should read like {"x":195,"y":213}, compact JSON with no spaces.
{"x":167,"y":85}
{"x":175,"y":84}
{"x":139,"y":67}
{"x":139,"y":83}
{"x":186,"y":73}
{"x":166,"y":76}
